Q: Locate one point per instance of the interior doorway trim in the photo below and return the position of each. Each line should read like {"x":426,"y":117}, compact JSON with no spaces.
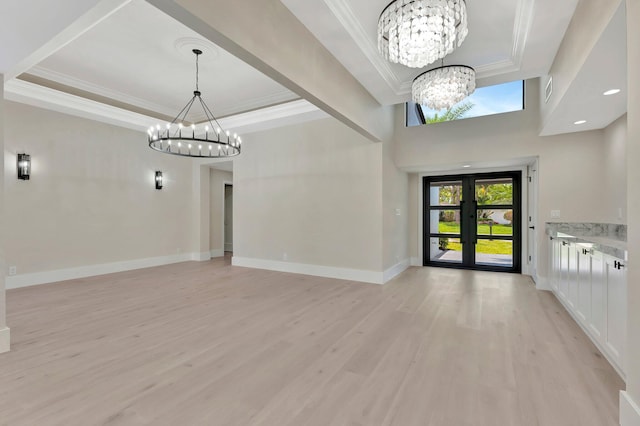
{"x":224,"y":210}
{"x":523,"y":205}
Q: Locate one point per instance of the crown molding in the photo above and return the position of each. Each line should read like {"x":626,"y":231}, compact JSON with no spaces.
{"x":55,"y":100}
{"x":77,"y":83}
{"x":276,"y":112}
{"x":345,"y":15}
{"x":67,"y":80}
{"x":521,"y":29}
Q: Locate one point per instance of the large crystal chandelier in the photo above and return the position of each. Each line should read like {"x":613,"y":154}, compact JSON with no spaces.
{"x":207,"y":139}
{"x":443,"y":87}
{"x":417,"y":33}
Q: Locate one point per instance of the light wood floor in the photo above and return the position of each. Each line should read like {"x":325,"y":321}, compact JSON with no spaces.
{"x":211,"y":344}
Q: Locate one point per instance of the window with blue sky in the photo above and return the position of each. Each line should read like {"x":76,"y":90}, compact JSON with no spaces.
{"x":489,"y":100}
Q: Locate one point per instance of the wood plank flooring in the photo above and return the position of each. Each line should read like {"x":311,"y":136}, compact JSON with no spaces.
{"x":206,"y":343}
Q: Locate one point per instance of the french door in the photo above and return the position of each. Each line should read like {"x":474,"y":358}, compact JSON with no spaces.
{"x":473,"y":221}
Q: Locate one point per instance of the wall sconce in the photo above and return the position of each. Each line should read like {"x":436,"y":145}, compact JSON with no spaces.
{"x":158,"y":179}
{"x":24,"y":166}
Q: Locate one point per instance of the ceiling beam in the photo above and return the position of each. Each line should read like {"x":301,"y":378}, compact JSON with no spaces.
{"x":267,"y":36}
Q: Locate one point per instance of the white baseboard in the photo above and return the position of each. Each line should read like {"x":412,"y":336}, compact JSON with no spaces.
{"x":5,"y":340}
{"x":217,"y":253}
{"x":37,"y":278}
{"x":415,"y":262}
{"x":372,"y":277}
{"x":395,"y":270}
{"x":541,"y":283}
{"x":228,"y":247}
{"x":629,"y":410}
{"x":201,"y":257}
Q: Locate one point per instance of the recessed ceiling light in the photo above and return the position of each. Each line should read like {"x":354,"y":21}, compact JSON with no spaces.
{"x":466,"y":166}
{"x":580,"y":122}
{"x":611,"y":92}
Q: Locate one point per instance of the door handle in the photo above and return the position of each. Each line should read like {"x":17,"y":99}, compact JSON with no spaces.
{"x":532,"y":227}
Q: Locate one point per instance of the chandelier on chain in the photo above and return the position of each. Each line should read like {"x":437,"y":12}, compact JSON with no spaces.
{"x":443,"y":87}
{"x":416,"y":33}
{"x":205,"y":139}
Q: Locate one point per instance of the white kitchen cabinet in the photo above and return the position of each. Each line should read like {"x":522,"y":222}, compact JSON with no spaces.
{"x":554,"y":263}
{"x":563,"y":284}
{"x":583,"y":281}
{"x":598,"y":297}
{"x":572,"y":277}
{"x":592,"y":287}
{"x":616,"y":307}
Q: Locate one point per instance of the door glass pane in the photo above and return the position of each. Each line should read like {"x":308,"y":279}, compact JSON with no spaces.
{"x":494,"y":252}
{"x":445,"y":250}
{"x":494,"y":191}
{"x":444,"y":222}
{"x":495,"y":222}
{"x":445,"y":193}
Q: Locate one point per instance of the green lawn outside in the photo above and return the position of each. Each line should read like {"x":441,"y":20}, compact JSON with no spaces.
{"x":483,"y":246}
{"x":454,"y":228}
{"x":487,"y":247}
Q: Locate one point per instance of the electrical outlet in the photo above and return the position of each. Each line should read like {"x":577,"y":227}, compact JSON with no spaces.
{"x":13,"y":270}
{"x":397,"y":212}
{"x":555,"y":214}
{"x":285,"y":256}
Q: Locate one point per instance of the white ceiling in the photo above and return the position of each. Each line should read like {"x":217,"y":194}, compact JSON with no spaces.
{"x":130,"y":52}
{"x":604,"y":69}
{"x":508,"y":40}
{"x":142,"y":57}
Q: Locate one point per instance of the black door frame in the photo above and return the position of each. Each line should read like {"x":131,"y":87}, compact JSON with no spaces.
{"x":468,"y":233}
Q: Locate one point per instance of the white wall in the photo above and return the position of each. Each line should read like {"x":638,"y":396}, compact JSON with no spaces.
{"x":4,"y":332}
{"x":614,"y":162}
{"x":91,"y":198}
{"x":630,"y":415}
{"x":216,"y":210}
{"x":395,"y":195}
{"x":312,"y":191}
{"x":571,"y":176}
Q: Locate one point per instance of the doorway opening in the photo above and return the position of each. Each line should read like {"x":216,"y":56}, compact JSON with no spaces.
{"x":227,"y":228}
{"x":473,"y":221}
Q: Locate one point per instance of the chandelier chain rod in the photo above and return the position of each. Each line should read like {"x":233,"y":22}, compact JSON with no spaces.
{"x":187,"y":107}
{"x":197,"y":73}
{"x":184,"y":116}
{"x":210,"y":117}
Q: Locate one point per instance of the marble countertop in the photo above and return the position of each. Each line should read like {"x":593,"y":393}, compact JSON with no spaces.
{"x":606,"y":238}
